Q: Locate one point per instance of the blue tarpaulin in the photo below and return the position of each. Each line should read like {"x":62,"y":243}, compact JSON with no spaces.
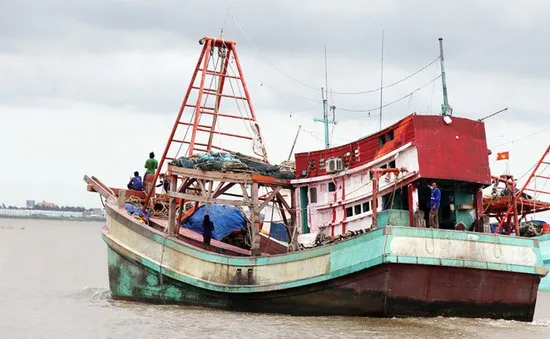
{"x":134,"y":210}
{"x":278,"y":231}
{"x":226,"y":219}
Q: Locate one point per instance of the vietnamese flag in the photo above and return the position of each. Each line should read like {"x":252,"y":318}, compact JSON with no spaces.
{"x":503,"y":155}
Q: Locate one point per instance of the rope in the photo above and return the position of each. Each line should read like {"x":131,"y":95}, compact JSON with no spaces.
{"x":258,"y":146}
{"x":154,"y":202}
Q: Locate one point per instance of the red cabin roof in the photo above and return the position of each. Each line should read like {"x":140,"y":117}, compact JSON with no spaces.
{"x":457,"y":151}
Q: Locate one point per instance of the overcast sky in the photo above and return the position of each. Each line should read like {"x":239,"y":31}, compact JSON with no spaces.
{"x":93,"y":87}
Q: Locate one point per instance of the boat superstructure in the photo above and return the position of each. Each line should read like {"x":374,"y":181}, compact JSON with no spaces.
{"x":354,"y":218}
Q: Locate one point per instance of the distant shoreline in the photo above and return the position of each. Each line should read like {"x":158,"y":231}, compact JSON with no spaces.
{"x":43,"y":217}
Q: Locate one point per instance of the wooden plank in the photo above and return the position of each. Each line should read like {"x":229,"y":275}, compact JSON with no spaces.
{"x":99,"y":187}
{"x":172,"y":224}
{"x":246,"y":178}
{"x":210,"y":175}
{"x":283,"y":214}
{"x":269,"y":198}
{"x":206,"y":200}
{"x":203,"y":188}
{"x":223,"y":189}
{"x":255,"y":214}
{"x":283,"y":201}
{"x":210,"y":186}
{"x":121,"y":200}
{"x":293,"y":239}
{"x":246,"y":198}
{"x":220,"y":185}
{"x":266,"y":180}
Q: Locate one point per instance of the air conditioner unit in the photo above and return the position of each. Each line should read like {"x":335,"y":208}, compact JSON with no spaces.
{"x":334,"y":165}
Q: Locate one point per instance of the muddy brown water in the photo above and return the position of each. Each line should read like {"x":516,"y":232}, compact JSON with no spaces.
{"x":53,"y":284}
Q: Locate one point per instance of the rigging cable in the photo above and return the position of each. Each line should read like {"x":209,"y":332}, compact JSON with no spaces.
{"x":315,"y":87}
{"x":523,"y":138}
{"x":392,"y":102}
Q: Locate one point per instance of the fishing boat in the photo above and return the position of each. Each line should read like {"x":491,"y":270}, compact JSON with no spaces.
{"x":354,"y":215}
{"x":511,"y":206}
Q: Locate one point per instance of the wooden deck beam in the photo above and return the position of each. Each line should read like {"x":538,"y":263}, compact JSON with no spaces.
{"x":245,"y":178}
{"x":207,"y":200}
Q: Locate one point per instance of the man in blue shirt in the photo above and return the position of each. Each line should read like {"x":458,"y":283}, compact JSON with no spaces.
{"x":135,"y":183}
{"x":434,"y":205}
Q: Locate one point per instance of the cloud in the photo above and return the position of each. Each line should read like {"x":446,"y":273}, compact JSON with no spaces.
{"x":92,"y":87}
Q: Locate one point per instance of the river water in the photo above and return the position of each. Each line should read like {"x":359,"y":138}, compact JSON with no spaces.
{"x":53,"y":284}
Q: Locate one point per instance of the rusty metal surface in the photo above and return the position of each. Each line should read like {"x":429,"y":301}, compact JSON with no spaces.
{"x":359,"y":152}
{"x":457,"y":151}
{"x":389,"y":290}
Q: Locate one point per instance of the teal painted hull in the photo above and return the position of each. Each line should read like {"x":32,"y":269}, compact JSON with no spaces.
{"x":363,"y":293}
{"x":391,"y":271}
{"x":544,"y":243}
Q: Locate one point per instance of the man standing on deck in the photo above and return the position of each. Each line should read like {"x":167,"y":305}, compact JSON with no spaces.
{"x":135,"y":183}
{"x":434,"y":205}
{"x":207,"y":228}
{"x":151,"y":166}
{"x":164,"y":182}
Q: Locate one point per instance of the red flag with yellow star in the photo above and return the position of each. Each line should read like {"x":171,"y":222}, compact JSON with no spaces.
{"x":503,"y":155}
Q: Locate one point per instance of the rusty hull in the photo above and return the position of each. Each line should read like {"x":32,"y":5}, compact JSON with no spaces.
{"x":387,"y":290}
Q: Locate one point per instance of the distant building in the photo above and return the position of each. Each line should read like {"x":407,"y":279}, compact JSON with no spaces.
{"x":30,"y":203}
{"x":46,"y":204}
{"x":97,"y":213}
{"x":28,"y":213}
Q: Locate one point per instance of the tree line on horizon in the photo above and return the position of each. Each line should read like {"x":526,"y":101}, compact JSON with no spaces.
{"x":46,"y":208}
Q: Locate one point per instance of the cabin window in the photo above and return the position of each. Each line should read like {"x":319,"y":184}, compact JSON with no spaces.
{"x":357,"y":209}
{"x":313,"y":195}
{"x":331,"y":187}
{"x":385,"y":138}
{"x":391,"y":164}
{"x":366,"y":207}
{"x":349,"y":212}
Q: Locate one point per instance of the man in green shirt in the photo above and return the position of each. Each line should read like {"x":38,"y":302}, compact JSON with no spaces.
{"x":151,"y":166}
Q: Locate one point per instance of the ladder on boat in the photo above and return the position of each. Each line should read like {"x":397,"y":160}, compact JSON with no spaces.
{"x":218,"y":76}
{"x":537,"y":184}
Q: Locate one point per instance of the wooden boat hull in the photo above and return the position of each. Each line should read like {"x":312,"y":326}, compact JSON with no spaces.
{"x":388,"y":290}
{"x":395,"y":271}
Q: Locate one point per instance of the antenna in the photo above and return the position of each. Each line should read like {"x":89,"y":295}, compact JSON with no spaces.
{"x":326,"y":73}
{"x":381,"y":77}
{"x":294,"y":143}
{"x":226,"y":17}
{"x":445,"y":108}
{"x":324,"y":96}
{"x":493,"y":114}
